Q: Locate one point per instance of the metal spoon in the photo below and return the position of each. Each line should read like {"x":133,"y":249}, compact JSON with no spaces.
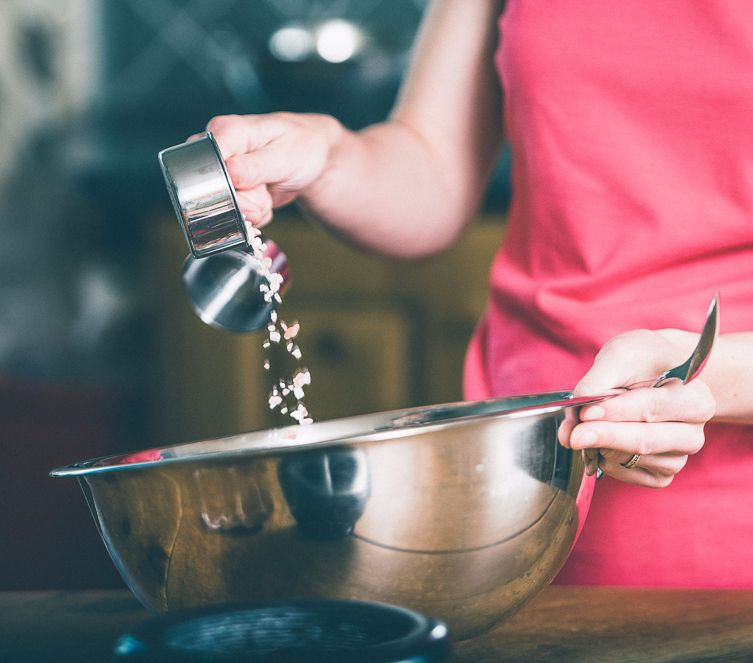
{"x":693,"y":365}
{"x":691,"y":368}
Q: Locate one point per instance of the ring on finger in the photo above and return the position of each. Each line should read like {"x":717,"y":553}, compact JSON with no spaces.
{"x":629,"y":464}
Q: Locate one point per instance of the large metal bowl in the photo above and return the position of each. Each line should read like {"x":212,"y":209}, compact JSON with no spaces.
{"x":461,"y":511}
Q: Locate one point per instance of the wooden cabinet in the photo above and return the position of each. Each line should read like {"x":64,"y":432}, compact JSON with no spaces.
{"x":376,"y":334}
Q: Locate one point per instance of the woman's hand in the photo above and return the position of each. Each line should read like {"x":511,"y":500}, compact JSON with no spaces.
{"x":662,"y":425}
{"x":272,"y":158}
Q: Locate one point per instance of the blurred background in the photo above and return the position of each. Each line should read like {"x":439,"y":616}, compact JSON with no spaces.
{"x":99,"y":351}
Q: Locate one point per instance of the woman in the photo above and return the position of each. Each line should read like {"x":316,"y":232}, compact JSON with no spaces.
{"x":631,"y":126}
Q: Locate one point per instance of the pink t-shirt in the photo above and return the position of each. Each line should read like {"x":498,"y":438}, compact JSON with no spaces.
{"x":631,"y":127}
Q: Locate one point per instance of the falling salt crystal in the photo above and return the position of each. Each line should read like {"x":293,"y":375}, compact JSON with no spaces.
{"x":286,"y":395}
{"x":301,"y":377}
{"x":290,"y":331}
{"x":300,"y":412}
{"x":274,"y":401}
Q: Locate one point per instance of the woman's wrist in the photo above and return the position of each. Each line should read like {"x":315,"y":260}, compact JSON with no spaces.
{"x":335,"y":135}
{"x":728,"y":373}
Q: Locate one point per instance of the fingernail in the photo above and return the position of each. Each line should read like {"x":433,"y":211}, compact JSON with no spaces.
{"x":593,"y":412}
{"x":586,"y":438}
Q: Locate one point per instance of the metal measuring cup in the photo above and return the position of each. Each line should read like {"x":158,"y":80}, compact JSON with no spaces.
{"x":224,"y":277}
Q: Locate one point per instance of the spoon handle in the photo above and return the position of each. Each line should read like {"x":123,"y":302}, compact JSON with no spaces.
{"x":691,"y":368}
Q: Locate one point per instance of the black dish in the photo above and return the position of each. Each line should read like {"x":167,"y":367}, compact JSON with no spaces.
{"x":331,"y":631}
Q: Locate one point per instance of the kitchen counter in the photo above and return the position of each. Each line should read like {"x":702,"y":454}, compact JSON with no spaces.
{"x":563,"y":624}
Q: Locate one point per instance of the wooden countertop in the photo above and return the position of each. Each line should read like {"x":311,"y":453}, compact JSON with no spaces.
{"x":563,"y":624}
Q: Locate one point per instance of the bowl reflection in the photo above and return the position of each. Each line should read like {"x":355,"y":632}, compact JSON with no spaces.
{"x":461,"y":511}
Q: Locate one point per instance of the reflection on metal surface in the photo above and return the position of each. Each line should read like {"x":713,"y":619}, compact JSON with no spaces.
{"x":225,"y":289}
{"x":326,"y":490}
{"x":231,"y":499}
{"x":203,"y":196}
{"x":464,"y":520}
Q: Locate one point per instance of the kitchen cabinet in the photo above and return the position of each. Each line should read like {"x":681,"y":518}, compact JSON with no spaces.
{"x":376,"y":334}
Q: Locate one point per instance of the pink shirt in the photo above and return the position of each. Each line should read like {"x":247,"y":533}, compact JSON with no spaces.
{"x":631,"y":127}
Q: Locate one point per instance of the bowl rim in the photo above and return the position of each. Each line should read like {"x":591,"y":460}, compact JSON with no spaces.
{"x":348,"y":431}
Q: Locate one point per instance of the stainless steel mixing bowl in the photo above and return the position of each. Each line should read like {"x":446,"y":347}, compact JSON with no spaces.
{"x":460,"y":511}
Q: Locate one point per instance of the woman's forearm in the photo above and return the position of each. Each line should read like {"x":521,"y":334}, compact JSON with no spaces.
{"x":408,"y":186}
{"x":384,"y":189}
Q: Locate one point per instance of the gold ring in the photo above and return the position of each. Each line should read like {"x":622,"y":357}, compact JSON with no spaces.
{"x":632,"y":462}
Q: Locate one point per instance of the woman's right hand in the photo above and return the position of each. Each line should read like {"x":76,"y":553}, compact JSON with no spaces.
{"x":272,"y":159}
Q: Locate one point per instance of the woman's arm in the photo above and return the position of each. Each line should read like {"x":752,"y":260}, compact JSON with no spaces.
{"x":405,"y":187}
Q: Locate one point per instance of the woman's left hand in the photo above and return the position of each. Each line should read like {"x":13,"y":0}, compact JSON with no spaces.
{"x":662,"y":426}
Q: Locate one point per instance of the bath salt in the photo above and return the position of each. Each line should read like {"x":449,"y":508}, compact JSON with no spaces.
{"x":287,"y":395}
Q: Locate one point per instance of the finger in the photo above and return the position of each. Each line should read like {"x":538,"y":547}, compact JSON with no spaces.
{"x":263,"y":166}
{"x":281,"y":197}
{"x":637,"y":476}
{"x":240,"y":134}
{"x":567,"y":425}
{"x":265,"y":218}
{"x":646,"y":476}
{"x":666,"y":464}
{"x":255,"y":204}
{"x":643,"y":438}
{"x":194,"y":137}
{"x":591,"y":460}
{"x":692,"y":403}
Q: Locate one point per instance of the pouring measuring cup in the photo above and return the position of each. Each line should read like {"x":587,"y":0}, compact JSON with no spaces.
{"x":228,"y":270}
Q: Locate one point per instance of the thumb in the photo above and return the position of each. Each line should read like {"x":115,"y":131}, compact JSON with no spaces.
{"x":626,"y":359}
